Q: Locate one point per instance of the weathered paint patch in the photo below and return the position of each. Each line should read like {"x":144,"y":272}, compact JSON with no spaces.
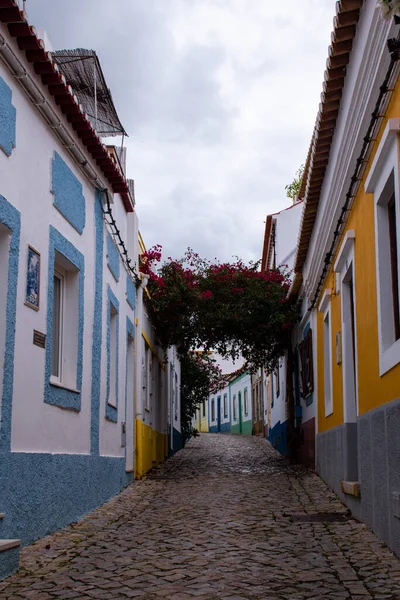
{"x":68,"y":194}
{"x":8,"y":119}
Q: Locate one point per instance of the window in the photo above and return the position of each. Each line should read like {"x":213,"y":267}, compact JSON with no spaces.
{"x":306,"y":365}
{"x":176,"y":396}
{"x":65,"y":320}
{"x":225,"y":406}
{"x":240,"y":408}
{"x":213,"y":410}
{"x":383,"y":183}
{"x":272,"y":391}
{"x":65,"y":323}
{"x":246,"y":402}
{"x":234,"y":407}
{"x":56,"y":347}
{"x":112,"y":357}
{"x":277,"y":382}
{"x":150,"y":380}
{"x":394,"y":265}
{"x":144,"y":375}
{"x":112,"y":397}
{"x":147,"y":378}
{"x":327,"y":365}
{"x":204,"y":408}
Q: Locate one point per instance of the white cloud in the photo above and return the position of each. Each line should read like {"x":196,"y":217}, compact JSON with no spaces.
{"x":219,"y":98}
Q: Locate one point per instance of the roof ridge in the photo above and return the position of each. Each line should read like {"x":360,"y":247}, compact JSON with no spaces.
{"x":64,"y":99}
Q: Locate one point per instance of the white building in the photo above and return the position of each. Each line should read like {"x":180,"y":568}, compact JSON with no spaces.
{"x":280,"y":243}
{"x":69,"y":396}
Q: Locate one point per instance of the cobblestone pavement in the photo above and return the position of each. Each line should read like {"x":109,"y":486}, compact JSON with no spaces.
{"x":216,"y":521}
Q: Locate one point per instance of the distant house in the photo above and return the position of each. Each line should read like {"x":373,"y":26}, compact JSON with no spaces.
{"x":279,"y":250}
{"x":241,"y":404}
{"x":219,"y":412}
{"x":200,"y":421}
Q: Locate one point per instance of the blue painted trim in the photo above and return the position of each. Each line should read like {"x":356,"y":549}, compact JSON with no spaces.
{"x":54,"y":488}
{"x":55,"y":395}
{"x":130,"y":292}
{"x":113,"y":258}
{"x":277,"y":435}
{"x":97,"y":326}
{"x":224,"y":428}
{"x":111,"y":411}
{"x":8,"y":119}
{"x":10,"y":217}
{"x":68,"y":194}
{"x":9,"y":562}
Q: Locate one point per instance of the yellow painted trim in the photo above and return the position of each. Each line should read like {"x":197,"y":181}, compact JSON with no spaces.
{"x":154,"y":351}
{"x":142,"y":246}
{"x":151,"y":448}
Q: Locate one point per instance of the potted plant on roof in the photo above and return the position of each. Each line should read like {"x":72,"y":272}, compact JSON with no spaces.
{"x":390,"y":8}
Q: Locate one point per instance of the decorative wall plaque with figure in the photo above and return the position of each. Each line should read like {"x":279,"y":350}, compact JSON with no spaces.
{"x":32,"y":296}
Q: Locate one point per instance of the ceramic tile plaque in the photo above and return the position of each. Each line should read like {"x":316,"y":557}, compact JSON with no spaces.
{"x":32,"y":296}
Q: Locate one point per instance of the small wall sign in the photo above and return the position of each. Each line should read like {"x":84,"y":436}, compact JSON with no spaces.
{"x":39,"y":338}
{"x":32,"y":296}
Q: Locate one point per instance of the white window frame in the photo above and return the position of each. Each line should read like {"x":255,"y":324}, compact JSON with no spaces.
{"x":325,"y":308}
{"x":112,"y":397}
{"x":343,"y":264}
{"x":148,"y":376}
{"x":234,"y":408}
{"x":59,"y":274}
{"x":385,"y":164}
{"x":176,"y":396}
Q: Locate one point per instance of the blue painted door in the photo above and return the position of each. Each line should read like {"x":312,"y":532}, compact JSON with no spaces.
{"x":219,"y":413}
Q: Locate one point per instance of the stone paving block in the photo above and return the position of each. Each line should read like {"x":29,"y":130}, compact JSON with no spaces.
{"x":216,"y":524}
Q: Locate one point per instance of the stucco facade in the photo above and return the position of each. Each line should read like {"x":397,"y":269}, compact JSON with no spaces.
{"x":289,"y":414}
{"x":349,"y":274}
{"x":73,"y":330}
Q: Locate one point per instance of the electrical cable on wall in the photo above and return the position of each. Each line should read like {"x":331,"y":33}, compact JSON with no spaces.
{"x":123,"y":252}
{"x":385,"y":91}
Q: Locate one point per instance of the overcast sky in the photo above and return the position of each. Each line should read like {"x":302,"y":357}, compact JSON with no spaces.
{"x":219,"y":98}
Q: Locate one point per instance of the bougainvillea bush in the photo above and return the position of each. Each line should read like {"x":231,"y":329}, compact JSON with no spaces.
{"x":232,"y":308}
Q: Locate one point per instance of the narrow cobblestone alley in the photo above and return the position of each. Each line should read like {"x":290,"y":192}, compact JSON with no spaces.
{"x":221,"y":519}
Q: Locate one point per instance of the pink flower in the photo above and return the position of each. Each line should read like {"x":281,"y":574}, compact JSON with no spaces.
{"x":207,"y":295}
